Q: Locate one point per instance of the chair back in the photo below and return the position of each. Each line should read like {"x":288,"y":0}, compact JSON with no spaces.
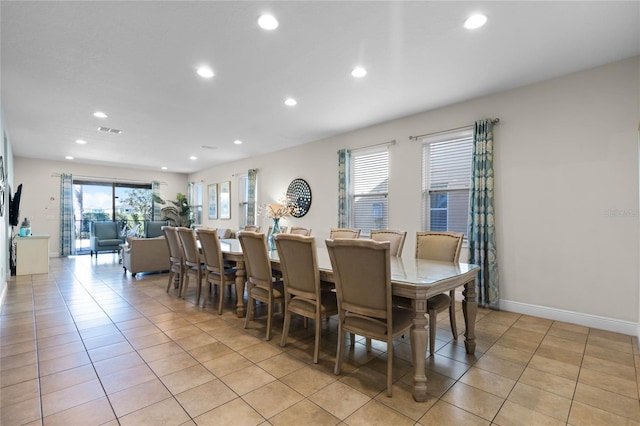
{"x":442,"y":246}
{"x":300,"y":230}
{"x":211,"y":251}
{"x":106,"y":230}
{"x":362,"y":273}
{"x":256,"y":258}
{"x":344,"y":233}
{"x":252,"y":228}
{"x":298,"y":260}
{"x":153,"y":229}
{"x":395,"y":238}
{"x":224,"y":233}
{"x":173,"y":241}
{"x":189,"y":246}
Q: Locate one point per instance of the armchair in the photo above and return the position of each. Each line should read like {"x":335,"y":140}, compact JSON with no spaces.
{"x":153,"y":229}
{"x":105,"y":236}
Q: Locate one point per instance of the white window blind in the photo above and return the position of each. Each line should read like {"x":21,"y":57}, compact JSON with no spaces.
{"x":446,"y":179}
{"x":369,"y":189}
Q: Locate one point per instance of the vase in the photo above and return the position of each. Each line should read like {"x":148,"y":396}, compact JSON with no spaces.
{"x":275,"y":229}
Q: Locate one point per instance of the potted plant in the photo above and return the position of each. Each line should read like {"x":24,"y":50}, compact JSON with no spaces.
{"x":178,"y":212}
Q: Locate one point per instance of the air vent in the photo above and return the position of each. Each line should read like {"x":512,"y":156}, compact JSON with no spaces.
{"x":109,"y":130}
{"x":208,"y":147}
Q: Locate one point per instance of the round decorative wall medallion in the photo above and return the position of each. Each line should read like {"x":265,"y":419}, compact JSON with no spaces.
{"x":299,"y":194}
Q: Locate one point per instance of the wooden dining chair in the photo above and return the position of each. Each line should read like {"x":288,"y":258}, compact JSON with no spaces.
{"x":252,"y":228}
{"x":194,"y":265}
{"x":362,"y":273}
{"x":301,"y":230}
{"x":302,"y":292}
{"x":445,"y":247}
{"x":216,"y":273}
{"x":395,"y":238}
{"x":176,"y":258}
{"x":261,"y":283}
{"x":344,"y":233}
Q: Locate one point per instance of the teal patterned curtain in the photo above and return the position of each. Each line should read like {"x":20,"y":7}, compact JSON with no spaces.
{"x":482,"y":238}
{"x":157,"y":207}
{"x":67,"y":222}
{"x":252,"y":176}
{"x":344,"y":160}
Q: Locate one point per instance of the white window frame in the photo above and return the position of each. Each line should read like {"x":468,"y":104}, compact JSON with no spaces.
{"x":437,"y":169}
{"x":196,"y":205}
{"x":243,"y":199}
{"x":367,"y":192}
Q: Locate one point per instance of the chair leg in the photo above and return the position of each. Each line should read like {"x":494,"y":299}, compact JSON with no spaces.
{"x":316,"y":348}
{"x":198,"y":287}
{"x":339,"y":350}
{"x":269,"y":317}
{"x":171,"y":276}
{"x":207,"y":290}
{"x":250,"y":308}
{"x":185,"y":284}
{"x":432,"y":330}
{"x":352,"y":338}
{"x":285,"y":327}
{"x":452,"y":314}
{"x":368,"y":343}
{"x":221,"y":296}
{"x":389,"y":365}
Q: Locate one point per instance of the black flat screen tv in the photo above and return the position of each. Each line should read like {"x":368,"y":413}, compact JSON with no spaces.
{"x":14,"y":207}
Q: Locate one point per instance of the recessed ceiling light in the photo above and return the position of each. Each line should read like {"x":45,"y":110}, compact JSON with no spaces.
{"x":164,"y":167}
{"x":267,"y":22}
{"x":68,"y":157}
{"x":193,"y":157}
{"x":291,"y":102}
{"x":359,"y":72}
{"x":81,"y":142}
{"x":237,"y":142}
{"x":100,"y":114}
{"x":475,"y":21}
{"x":205,"y":72}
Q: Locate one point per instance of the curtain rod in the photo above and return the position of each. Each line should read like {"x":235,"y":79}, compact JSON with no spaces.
{"x":391,"y":142}
{"x":109,"y":179}
{"x":493,"y":121}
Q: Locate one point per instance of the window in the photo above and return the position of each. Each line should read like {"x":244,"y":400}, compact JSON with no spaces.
{"x":196,"y":204}
{"x":368,"y":202}
{"x":446,"y":179}
{"x":243,"y":197}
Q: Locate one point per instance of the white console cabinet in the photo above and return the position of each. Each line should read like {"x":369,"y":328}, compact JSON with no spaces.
{"x":32,"y":255}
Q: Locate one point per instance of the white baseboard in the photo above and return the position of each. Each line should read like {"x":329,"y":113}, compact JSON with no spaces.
{"x":587,"y":320}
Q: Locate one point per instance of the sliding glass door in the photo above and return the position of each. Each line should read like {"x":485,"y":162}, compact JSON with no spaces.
{"x":128,"y":204}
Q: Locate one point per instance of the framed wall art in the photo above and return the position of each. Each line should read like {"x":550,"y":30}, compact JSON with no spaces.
{"x":224,"y":199}
{"x":212,"y":191}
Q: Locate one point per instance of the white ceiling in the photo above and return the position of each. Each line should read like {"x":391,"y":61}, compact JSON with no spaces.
{"x":136,"y":61}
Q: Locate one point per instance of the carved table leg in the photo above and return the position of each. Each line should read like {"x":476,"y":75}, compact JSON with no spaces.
{"x":240,"y":288}
{"x":419,"y":349}
{"x":470,"y":309}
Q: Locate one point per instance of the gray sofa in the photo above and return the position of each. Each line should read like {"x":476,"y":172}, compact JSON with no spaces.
{"x":146,"y":255}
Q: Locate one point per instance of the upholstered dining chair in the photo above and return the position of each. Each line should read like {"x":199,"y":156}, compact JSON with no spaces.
{"x":302,"y":292}
{"x":216,"y":274}
{"x":362,"y":273}
{"x":445,"y":247}
{"x":176,"y":257}
{"x":395,"y":238}
{"x":283,"y":229}
{"x":344,"y":233}
{"x":252,"y":228}
{"x":300,"y":230}
{"x":194,"y":265}
{"x":261,"y":283}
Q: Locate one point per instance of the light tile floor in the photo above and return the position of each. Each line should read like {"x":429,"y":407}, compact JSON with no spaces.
{"x":89,"y":345}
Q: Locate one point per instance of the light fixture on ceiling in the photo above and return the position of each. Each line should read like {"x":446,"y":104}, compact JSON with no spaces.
{"x":164,"y":167}
{"x":193,"y":157}
{"x":68,"y":157}
{"x":290,"y":102}
{"x":238,"y":142}
{"x":359,"y":72}
{"x":208,"y":147}
{"x":81,"y":142}
{"x":267,"y":22}
{"x":205,"y":72}
{"x":475,"y":21}
{"x":100,"y":114}
{"x":109,"y":130}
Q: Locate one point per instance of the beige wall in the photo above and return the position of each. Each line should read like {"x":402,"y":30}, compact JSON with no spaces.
{"x":566,"y":168}
{"x":41,"y":189}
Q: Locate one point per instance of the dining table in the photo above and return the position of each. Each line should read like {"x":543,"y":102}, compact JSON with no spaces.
{"x":413,"y":279}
